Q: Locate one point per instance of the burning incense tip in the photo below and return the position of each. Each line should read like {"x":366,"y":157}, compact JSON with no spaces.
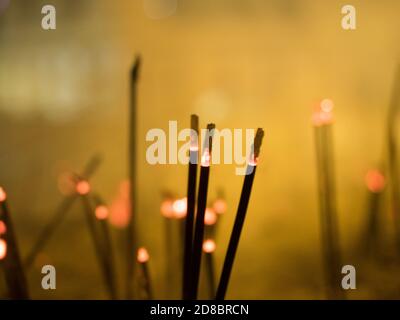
{"x":206,"y":158}
{"x":167,"y":209}
{"x":256,"y":147}
{"x":209,"y":246}
{"x":142,"y":255}
{"x":179,"y":208}
{"x":210,"y":217}
{"x":327,"y":105}
{"x":3,"y":249}
{"x":375,"y":181}
{"x":323,"y":115}
{"x":3,"y":195}
{"x":3,"y":228}
{"x":219,"y":206}
{"x":82,"y":187}
{"x":101,"y":212}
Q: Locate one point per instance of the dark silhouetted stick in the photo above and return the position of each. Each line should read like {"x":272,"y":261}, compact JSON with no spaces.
{"x":60,"y":214}
{"x":240,"y":217}
{"x":191,"y":202}
{"x":131,"y":230}
{"x":200,"y":212}
{"x":14,"y":272}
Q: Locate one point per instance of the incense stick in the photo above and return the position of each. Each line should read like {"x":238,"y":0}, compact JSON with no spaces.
{"x":208,"y":249}
{"x":97,"y":243}
{"x":14,"y":272}
{"x":191,"y":202}
{"x":60,"y":214}
{"x":393,"y":171}
{"x":240,"y":217}
{"x":101,"y":213}
{"x":200,"y":212}
{"x":328,"y":214}
{"x":143,"y":258}
{"x":131,"y":230}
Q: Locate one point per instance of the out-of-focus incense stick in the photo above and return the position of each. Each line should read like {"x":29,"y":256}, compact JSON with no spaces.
{"x":60,"y":214}
{"x":14,"y":272}
{"x":131,"y":239}
{"x":375,"y":182}
{"x":208,"y":249}
{"x":200,"y":212}
{"x":322,"y":120}
{"x":393,"y":171}
{"x":143,"y":260}
{"x":240,"y":216}
{"x":191,"y":202}
{"x":102,"y":214}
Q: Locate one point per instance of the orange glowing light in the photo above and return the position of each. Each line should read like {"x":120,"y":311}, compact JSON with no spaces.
{"x":3,"y":249}
{"x":323,"y":114}
{"x":180,"y":207}
{"x":220,"y":206}
{"x":120,"y":209}
{"x":206,"y":158}
{"x":375,"y":181}
{"x":327,"y":105}
{"x":3,"y":195}
{"x":3,"y":228}
{"x":101,"y":212}
{"x":210,"y":217}
{"x":167,"y":208}
{"x":82,"y":187}
{"x":142,"y":255}
{"x":209,"y":246}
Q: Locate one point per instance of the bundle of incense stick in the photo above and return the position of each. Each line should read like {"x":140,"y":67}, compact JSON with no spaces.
{"x":393,"y":171}
{"x":375,"y":181}
{"x":131,"y":230}
{"x":96,"y":232}
{"x":240,"y":216}
{"x":60,"y":214}
{"x":191,"y":202}
{"x":14,"y":272}
{"x":322,"y":120}
{"x":200,"y":212}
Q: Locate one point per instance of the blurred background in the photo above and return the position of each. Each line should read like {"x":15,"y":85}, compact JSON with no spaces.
{"x":64,"y":96}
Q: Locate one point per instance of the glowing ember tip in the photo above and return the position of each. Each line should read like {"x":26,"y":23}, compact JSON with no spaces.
{"x":209,"y":246}
{"x":3,"y":228}
{"x":210,"y":217}
{"x":101,"y":212}
{"x":142,"y":255}
{"x":180,"y":207}
{"x":323,"y":114}
{"x":3,"y":249}
{"x":375,"y":181}
{"x":219,"y":206}
{"x":3,"y":195}
{"x":206,"y":158}
{"x":327,"y":105}
{"x":167,"y":209}
{"x":82,"y":187}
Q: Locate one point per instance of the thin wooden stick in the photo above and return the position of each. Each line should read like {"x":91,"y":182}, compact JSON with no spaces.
{"x":201,"y":208}
{"x":328,"y":214}
{"x":131,"y":230}
{"x":191,"y":202}
{"x":105,"y":237}
{"x":60,"y":214}
{"x":240,"y":217}
{"x":393,"y":171}
{"x":143,"y":260}
{"x":14,"y":272}
{"x":208,"y":249}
